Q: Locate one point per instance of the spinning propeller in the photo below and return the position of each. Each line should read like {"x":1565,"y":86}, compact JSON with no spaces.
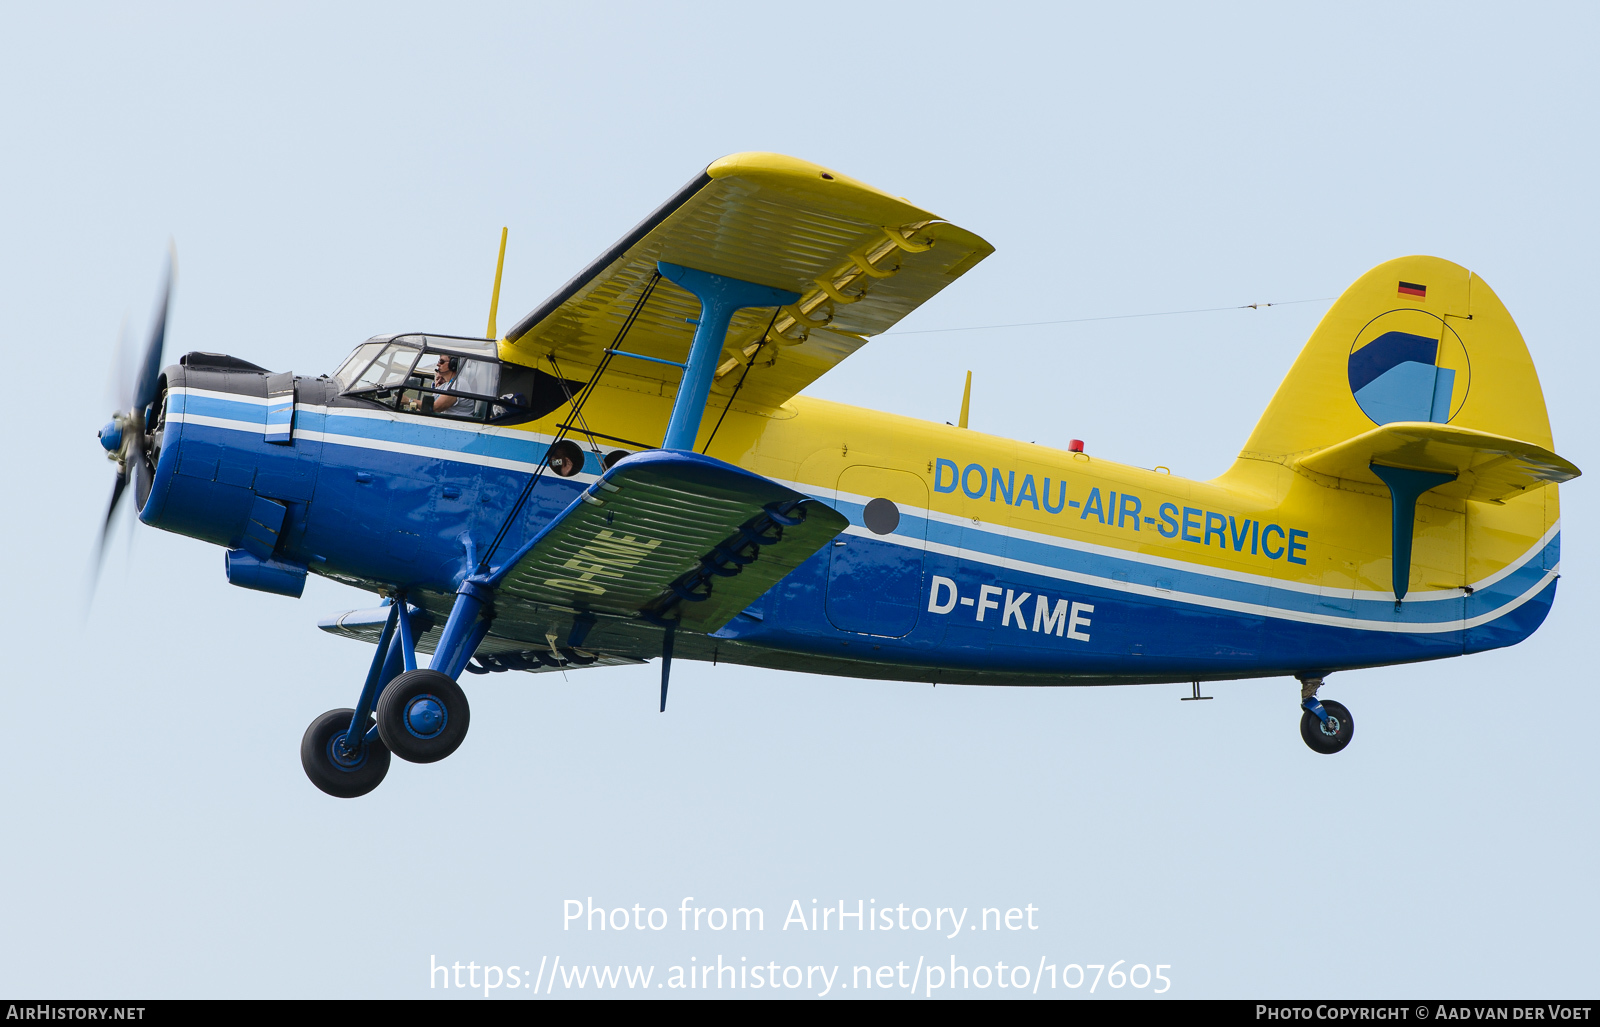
{"x":130,"y":438}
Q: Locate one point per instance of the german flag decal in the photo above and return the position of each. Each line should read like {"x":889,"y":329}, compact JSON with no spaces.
{"x":1408,"y":289}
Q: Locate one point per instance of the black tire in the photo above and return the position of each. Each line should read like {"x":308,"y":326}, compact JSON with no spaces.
{"x":1322,"y":739}
{"x":401,"y":697}
{"x":341,"y":778}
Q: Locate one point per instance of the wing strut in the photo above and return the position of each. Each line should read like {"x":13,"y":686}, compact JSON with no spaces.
{"x":719,"y":296}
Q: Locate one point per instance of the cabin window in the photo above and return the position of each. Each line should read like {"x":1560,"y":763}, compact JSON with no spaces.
{"x":445,"y":376}
{"x":452,"y":385}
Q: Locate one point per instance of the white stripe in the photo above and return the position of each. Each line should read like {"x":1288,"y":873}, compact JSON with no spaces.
{"x":430,"y":420}
{"x":974,"y":556}
{"x":383,"y":445}
{"x":465,"y":427}
{"x":1516,"y":564}
{"x":1168,"y":563}
{"x":1235,"y":606}
{"x":1533,"y":590}
{"x":253,"y":427}
{"x":1242,"y":577}
{"x":213,"y":394}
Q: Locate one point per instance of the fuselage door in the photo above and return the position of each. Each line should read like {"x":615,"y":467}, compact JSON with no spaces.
{"x":875,"y":569}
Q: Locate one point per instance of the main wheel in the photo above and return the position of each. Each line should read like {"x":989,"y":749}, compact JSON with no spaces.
{"x":341,"y":774}
{"x":1328,"y":738}
{"x":423,"y":716}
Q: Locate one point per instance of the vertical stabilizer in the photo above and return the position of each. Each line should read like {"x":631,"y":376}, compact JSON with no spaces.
{"x":1414,"y":413}
{"x":1415,"y":339}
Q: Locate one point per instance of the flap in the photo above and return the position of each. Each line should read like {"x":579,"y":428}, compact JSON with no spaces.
{"x":860,"y":259}
{"x":1488,"y":467}
{"x":493,"y":653}
{"x":670,"y":537}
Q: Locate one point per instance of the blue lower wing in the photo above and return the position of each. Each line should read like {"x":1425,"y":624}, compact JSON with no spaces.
{"x":670,"y":537}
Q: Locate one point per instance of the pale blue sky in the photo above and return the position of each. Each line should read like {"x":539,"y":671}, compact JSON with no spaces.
{"x":334,"y":171}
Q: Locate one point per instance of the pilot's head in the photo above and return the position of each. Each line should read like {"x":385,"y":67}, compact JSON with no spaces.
{"x":446,"y":369}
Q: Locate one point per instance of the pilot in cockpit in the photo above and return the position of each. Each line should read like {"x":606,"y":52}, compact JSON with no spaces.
{"x":444,"y":377}
{"x":447,"y":375}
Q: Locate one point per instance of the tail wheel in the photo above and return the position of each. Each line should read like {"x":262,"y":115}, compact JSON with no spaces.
{"x":1328,"y":738}
{"x":423,"y":716}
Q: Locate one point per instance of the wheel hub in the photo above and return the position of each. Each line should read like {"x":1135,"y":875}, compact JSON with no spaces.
{"x":345,"y":758}
{"x":426,"y":716}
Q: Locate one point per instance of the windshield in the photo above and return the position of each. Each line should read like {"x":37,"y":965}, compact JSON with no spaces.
{"x":355,"y":364}
{"x":449,"y":376}
{"x":403,"y":376}
{"x":350,"y":372}
{"x":391,"y":367}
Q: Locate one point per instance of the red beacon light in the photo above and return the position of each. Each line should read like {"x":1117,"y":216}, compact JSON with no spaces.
{"x":1075,"y":446}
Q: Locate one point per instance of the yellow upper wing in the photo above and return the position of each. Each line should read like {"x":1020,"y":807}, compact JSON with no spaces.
{"x":860,"y":258}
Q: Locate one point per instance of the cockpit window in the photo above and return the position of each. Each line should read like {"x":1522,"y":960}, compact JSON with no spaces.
{"x":432,"y":374}
{"x":446,"y":376}
{"x":391,"y":368}
{"x":454,"y":386}
{"x":355,"y":364}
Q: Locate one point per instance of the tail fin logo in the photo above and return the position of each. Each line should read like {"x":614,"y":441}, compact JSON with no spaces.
{"x":1409,"y":365}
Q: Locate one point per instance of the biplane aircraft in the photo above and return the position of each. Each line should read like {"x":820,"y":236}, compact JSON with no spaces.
{"x":631,"y":472}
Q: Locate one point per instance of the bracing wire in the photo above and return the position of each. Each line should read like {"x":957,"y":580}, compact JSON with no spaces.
{"x":1114,"y":317}
{"x":766,"y":336}
{"x":577,"y":411}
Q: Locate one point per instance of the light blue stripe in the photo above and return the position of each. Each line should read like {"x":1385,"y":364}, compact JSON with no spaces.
{"x":981,"y":543}
{"x":467,"y":439}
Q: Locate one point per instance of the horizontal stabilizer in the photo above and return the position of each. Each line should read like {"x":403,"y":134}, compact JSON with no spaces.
{"x":1487,"y":467}
{"x":672,"y":537}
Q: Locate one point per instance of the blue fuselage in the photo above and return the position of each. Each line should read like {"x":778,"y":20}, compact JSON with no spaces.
{"x":389,"y":502}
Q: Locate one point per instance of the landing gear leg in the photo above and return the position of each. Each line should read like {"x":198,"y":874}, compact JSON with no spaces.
{"x":420,"y":715}
{"x":423,"y":714}
{"x":339,"y":753}
{"x":1326,"y":726}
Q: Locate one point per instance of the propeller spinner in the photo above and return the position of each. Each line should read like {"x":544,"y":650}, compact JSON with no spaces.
{"x":129,"y":437}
